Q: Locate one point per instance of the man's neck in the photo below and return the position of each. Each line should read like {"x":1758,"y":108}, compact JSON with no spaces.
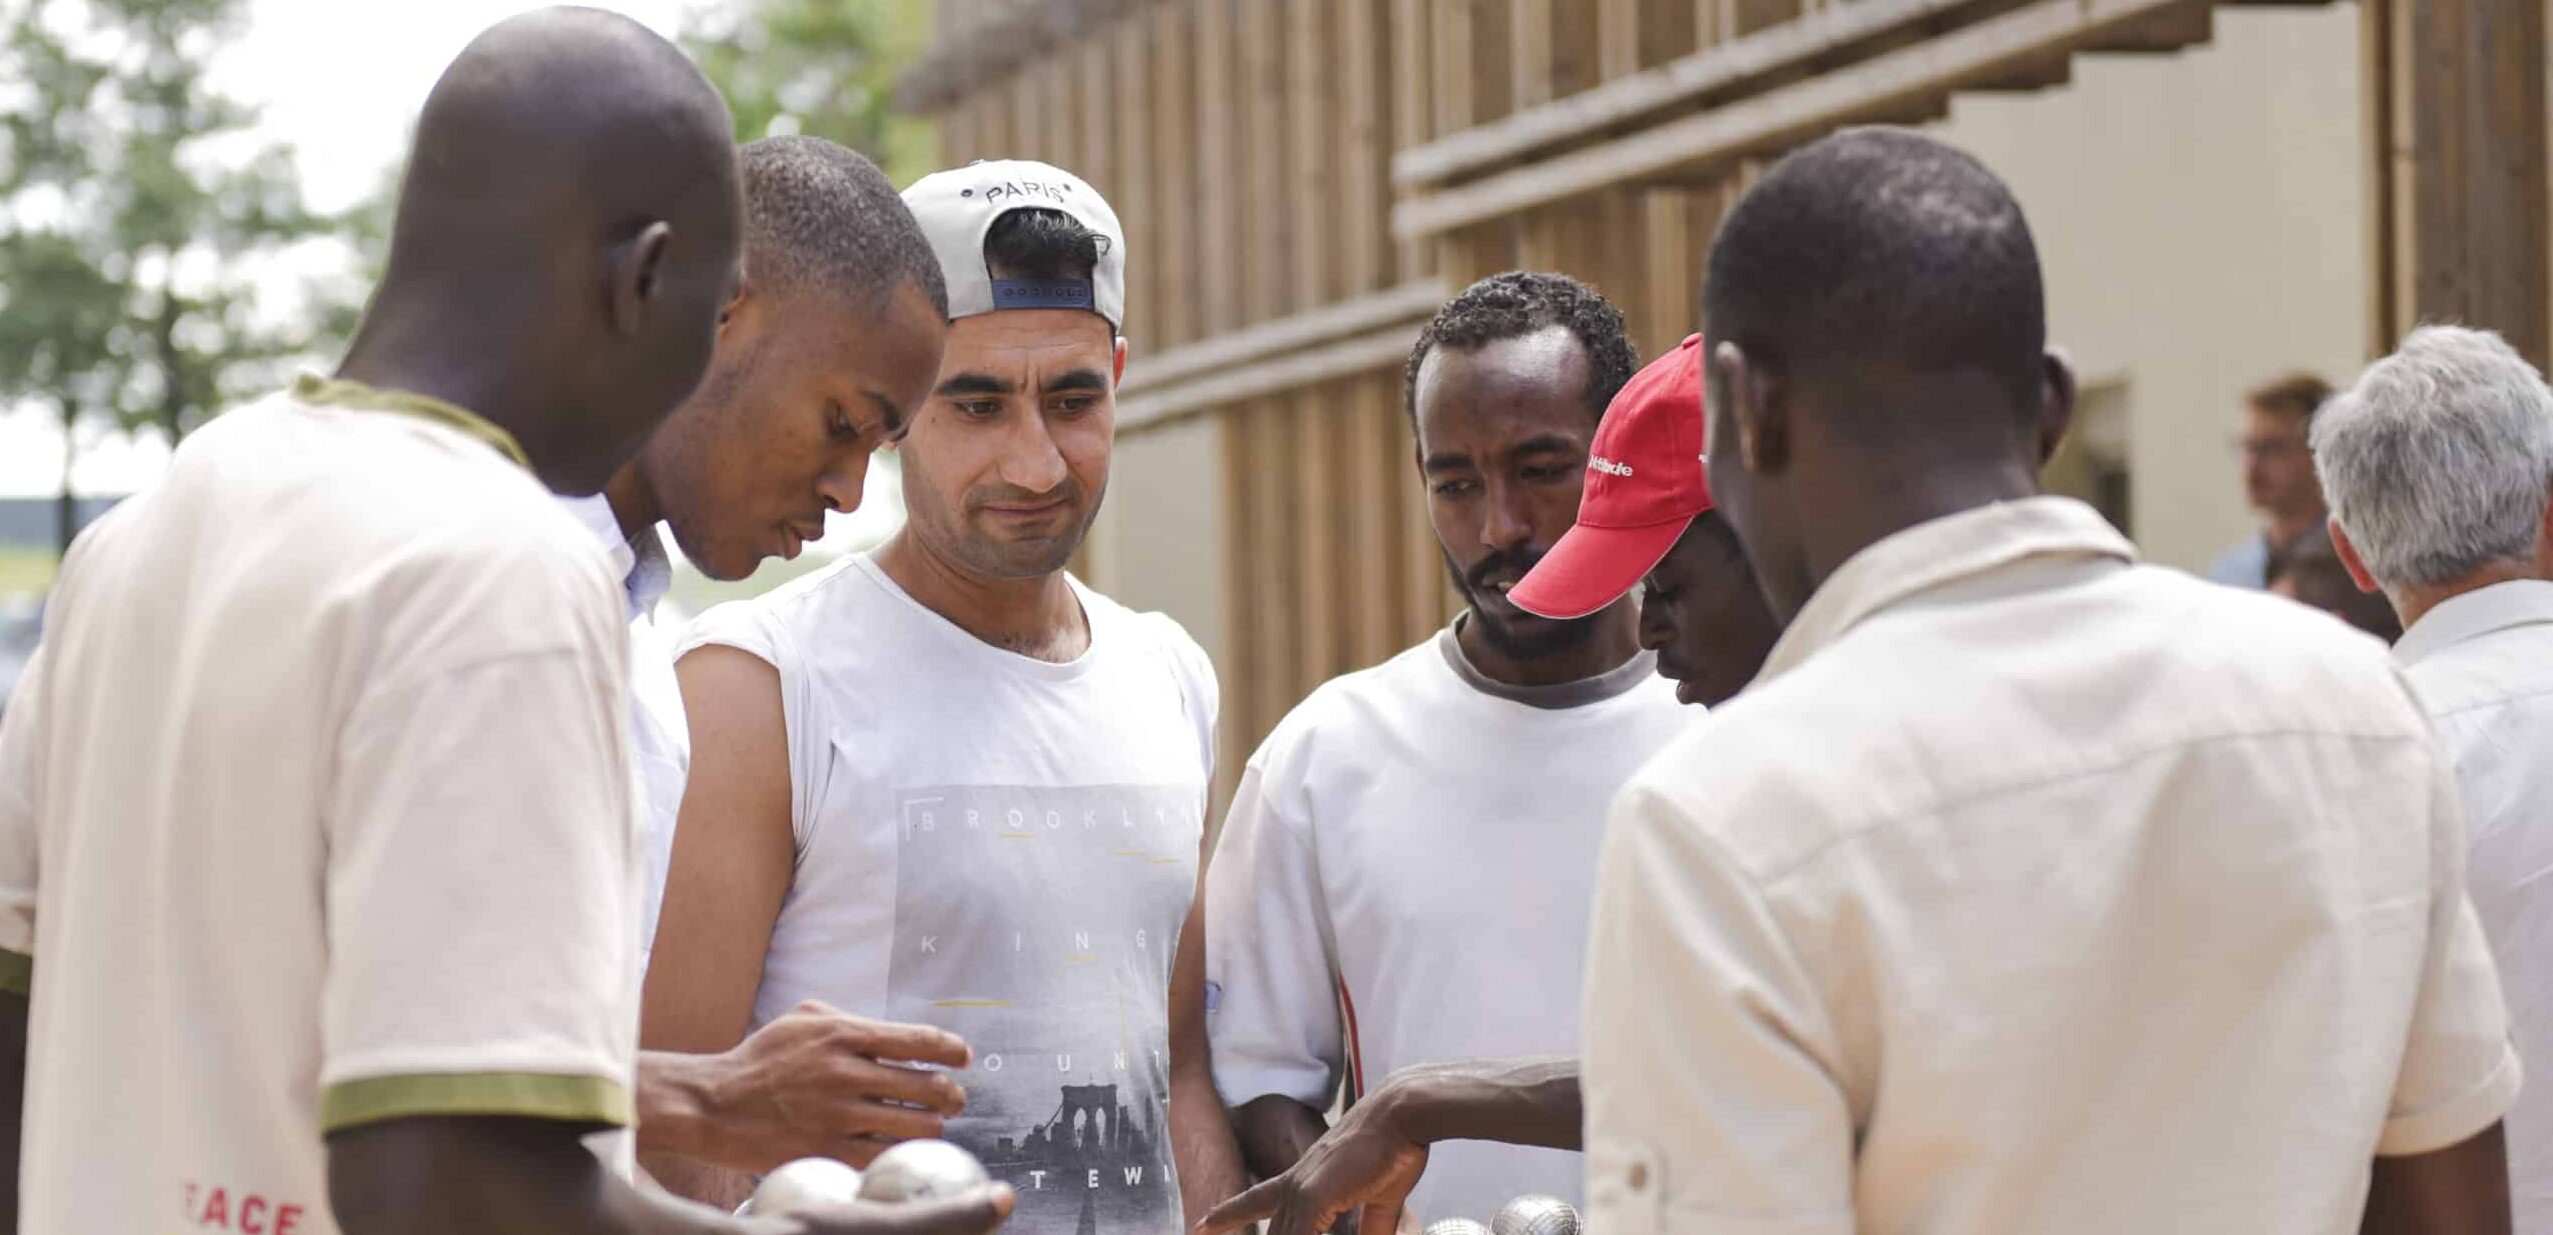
{"x":1038,"y":617}
{"x":1891,"y":500}
{"x":2414,"y":603}
{"x":1612,"y":640}
{"x":633,"y":501}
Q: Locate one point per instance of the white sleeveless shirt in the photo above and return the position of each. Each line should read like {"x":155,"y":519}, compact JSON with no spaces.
{"x":1003,"y":847}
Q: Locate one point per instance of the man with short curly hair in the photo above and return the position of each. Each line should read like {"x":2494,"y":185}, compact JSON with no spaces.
{"x":1403,"y":878}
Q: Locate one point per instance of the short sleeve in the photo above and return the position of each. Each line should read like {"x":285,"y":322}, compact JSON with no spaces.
{"x":19,"y":829}
{"x":1198,"y":686}
{"x":1710,"y":1063}
{"x":1273,"y":1023}
{"x":483,"y":878}
{"x":2459,"y":1072}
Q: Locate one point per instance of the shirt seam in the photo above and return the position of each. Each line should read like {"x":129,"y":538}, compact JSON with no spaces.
{"x":1854,"y":827}
{"x":2495,"y":701}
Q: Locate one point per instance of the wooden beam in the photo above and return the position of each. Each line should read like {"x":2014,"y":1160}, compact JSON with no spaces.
{"x":1383,"y":349}
{"x":1220,"y":164}
{"x":1373,"y":469}
{"x":1267,"y":340}
{"x":2468,"y":137}
{"x":1314,"y":155}
{"x":1411,"y":57}
{"x":1267,"y":214}
{"x":1362,"y":31}
{"x":1179,"y":201}
{"x":1729,"y":65}
{"x":1764,"y":124}
{"x":1138,"y":201}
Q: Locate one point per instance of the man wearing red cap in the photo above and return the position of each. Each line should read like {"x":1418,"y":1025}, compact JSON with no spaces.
{"x":1646,"y":511}
{"x":1402,"y":880}
{"x":1647,"y":516}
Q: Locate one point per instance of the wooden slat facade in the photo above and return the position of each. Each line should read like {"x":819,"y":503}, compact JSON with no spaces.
{"x":1303,"y":180}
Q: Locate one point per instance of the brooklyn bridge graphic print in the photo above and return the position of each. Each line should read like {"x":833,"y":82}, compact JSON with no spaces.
{"x":1038,"y":922}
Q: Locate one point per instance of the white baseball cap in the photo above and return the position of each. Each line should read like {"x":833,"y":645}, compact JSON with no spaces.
{"x":957,"y":209}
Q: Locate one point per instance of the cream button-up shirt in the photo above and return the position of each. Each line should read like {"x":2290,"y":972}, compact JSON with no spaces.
{"x":2482,"y":663}
{"x":2031,"y":889}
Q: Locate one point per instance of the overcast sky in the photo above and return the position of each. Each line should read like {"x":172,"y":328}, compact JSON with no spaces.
{"x":339,"y":80}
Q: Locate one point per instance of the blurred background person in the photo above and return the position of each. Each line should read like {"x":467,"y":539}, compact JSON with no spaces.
{"x":2278,"y":476}
{"x":2439,"y":465}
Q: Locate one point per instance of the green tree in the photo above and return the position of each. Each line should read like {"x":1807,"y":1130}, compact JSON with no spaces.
{"x":139,"y":220}
{"x":826,"y":68}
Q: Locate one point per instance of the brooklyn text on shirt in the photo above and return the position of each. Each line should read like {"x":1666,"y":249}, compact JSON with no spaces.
{"x":922,"y":814}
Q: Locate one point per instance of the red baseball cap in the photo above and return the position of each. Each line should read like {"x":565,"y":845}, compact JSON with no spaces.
{"x":1644,"y":487}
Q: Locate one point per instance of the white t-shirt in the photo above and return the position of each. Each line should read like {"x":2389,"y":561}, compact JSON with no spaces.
{"x":1417,"y":844}
{"x":2030,"y":889}
{"x":660,"y":741}
{"x":314,"y":812}
{"x":1003,"y":847}
{"x":2482,"y":664}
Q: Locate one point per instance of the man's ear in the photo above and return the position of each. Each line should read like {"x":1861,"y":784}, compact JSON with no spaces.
{"x":1119,"y":378}
{"x":2057,"y":394}
{"x":2349,"y":559}
{"x":741,"y":305}
{"x":634,"y":270}
{"x":1759,"y":408}
{"x":2544,"y":542}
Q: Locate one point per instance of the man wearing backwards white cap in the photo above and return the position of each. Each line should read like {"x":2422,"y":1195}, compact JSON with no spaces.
{"x":946,"y":783}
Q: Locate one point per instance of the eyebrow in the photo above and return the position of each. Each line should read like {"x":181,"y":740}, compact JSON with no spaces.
{"x":1545,"y":444}
{"x":974,"y":384}
{"x":1079,"y":380}
{"x":1446,"y":463}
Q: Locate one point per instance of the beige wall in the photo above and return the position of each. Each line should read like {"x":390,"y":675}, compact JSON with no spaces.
{"x":1160,"y":542}
{"x":2202,"y":220}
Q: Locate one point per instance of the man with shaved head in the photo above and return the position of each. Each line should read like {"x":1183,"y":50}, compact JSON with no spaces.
{"x":2028,"y":888}
{"x":318,"y":871}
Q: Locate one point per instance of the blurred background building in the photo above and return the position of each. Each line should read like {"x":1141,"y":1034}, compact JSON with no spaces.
{"x":2221,"y":194}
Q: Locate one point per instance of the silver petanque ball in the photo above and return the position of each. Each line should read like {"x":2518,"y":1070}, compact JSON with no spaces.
{"x":1456,"y":1226}
{"x":808,"y":1183}
{"x":1535,"y":1215}
{"x":922,"y":1171}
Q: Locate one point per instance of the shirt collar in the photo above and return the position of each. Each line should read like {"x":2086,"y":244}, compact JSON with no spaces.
{"x":645,"y":570}
{"x":342,"y":392}
{"x":1938,"y":552}
{"x":1559,"y":696}
{"x":2483,"y":611}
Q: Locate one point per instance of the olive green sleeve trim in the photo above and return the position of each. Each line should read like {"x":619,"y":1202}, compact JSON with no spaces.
{"x":17,"y":972}
{"x":532,"y":1095}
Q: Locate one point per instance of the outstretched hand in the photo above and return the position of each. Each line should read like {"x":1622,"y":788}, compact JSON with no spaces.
{"x":1363,"y":1165}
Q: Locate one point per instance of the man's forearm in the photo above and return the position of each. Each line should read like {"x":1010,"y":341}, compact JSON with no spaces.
{"x":1532,"y":1100}
{"x":1202,"y":1143}
{"x":1273,"y":1133}
{"x":676,"y":1099}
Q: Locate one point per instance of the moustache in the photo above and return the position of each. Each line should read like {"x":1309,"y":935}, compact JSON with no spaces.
{"x":1506,"y":563}
{"x":1068,"y":492}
